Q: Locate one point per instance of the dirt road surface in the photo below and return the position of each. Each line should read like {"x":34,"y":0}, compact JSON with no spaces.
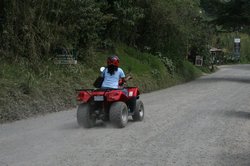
{"x":205,"y":122}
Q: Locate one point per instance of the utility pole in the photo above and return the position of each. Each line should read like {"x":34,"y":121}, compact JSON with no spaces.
{"x":237,"y":47}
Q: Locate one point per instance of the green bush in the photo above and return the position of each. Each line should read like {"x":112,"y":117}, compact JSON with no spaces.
{"x":26,"y":93}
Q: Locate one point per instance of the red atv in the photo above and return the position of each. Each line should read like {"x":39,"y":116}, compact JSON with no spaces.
{"x":109,"y":104}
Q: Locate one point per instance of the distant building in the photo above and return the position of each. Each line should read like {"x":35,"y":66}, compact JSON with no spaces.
{"x":217,"y":55}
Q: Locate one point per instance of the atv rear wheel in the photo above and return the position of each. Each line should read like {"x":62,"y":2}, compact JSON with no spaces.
{"x":84,"y":117}
{"x":139,"y":111}
{"x":118,"y":114}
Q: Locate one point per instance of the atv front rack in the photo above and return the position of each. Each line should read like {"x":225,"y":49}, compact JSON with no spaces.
{"x":99,"y":89}
{"x":102,"y":89}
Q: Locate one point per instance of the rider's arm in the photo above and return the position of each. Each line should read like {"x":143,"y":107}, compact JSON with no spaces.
{"x":124,"y":79}
{"x":128,"y":78}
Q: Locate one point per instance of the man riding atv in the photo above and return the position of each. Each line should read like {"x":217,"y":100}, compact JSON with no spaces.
{"x":113,"y":75}
{"x":112,"y":101}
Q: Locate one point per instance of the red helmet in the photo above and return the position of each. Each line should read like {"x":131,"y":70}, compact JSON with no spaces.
{"x":113,"y":60}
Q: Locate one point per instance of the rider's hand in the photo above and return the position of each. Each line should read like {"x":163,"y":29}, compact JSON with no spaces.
{"x":128,"y":78}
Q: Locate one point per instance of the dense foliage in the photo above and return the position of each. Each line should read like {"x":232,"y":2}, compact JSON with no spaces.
{"x":33,"y":29}
{"x":233,"y":15}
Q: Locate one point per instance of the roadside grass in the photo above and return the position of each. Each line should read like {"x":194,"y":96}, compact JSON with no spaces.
{"x":27,"y":91}
{"x":188,"y":72}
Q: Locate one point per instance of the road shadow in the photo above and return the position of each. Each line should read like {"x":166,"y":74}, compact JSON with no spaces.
{"x":107,"y":124}
{"x":70,"y":126}
{"x":224,"y":79}
{"x":241,"y":67}
{"x":238,"y":114}
{"x":74,"y":125}
{"x":236,"y":159}
{"x":99,"y":125}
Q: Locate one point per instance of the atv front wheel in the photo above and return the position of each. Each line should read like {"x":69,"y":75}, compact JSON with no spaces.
{"x":118,"y":114}
{"x":139,"y":111}
{"x":84,"y":117}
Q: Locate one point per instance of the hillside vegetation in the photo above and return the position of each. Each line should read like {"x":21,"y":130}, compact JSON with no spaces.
{"x":152,"y":39}
{"x":25,"y":93}
{"x":34,"y":29}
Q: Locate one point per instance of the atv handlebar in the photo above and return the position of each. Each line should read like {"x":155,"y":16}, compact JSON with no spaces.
{"x":99,"y":89}
{"x":102,"y":89}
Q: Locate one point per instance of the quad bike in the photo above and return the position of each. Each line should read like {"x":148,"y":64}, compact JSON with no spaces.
{"x":114,"y":105}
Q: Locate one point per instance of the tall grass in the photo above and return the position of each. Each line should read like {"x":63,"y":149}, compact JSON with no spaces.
{"x":25,"y":92}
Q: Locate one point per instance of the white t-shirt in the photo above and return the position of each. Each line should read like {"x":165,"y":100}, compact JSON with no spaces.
{"x":112,"y":81}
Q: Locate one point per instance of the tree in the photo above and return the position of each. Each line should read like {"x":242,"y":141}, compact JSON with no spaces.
{"x":126,"y":15}
{"x":231,"y":14}
{"x":33,"y":28}
{"x":173,"y":28}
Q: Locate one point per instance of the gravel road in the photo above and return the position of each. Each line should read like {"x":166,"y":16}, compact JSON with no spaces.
{"x":201,"y":123}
